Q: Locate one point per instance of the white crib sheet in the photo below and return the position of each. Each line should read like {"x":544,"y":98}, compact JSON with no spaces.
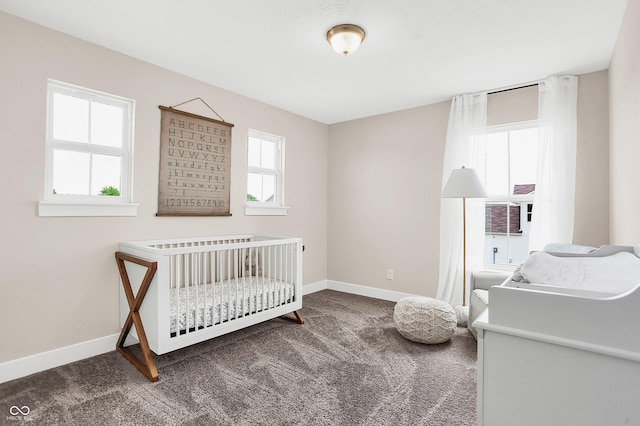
{"x":201,"y":306}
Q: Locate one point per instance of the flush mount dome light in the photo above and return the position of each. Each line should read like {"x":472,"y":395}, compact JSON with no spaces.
{"x":345,"y":38}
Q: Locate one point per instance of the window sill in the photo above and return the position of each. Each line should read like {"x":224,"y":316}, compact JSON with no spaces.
{"x":500,"y":268}
{"x":49,"y":209}
{"x":265,"y":211}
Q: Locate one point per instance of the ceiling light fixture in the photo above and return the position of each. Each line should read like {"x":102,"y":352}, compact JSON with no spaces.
{"x":345,"y":38}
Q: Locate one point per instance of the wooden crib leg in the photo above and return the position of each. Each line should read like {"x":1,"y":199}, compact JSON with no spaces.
{"x":148,"y":368}
{"x":298,"y":318}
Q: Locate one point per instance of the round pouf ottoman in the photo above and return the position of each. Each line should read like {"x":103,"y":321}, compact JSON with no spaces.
{"x":425,"y":320}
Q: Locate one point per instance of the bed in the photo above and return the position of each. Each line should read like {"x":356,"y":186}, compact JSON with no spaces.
{"x":565,"y":350}
{"x":179,"y":292}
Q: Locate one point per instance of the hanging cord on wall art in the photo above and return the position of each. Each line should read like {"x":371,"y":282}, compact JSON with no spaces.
{"x":201,"y":100}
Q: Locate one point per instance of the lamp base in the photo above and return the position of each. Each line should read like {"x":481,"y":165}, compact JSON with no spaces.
{"x":462,"y":313}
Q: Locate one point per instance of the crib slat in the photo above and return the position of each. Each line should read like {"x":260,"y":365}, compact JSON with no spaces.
{"x":266,"y":275}
{"x":236,"y":269}
{"x":235,"y":273}
{"x":187,"y":263}
{"x":288,"y":277}
{"x":189,"y":286}
{"x":210,"y":280}
{"x":245,"y":296}
{"x":260,"y":260}
{"x":251,"y":281}
{"x":192,"y":285}
{"x":172,"y":285}
{"x":284,"y":259}
{"x":199,"y":315}
{"x":178,"y":285}
{"x":228,"y":276}
{"x":283,"y":273}
{"x":221,"y":295}
{"x":204,"y":289}
{"x":228,"y":280}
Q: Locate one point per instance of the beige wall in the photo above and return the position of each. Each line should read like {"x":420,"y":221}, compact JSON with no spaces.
{"x":385,"y":177}
{"x":591,"y":226}
{"x":624,"y":100}
{"x":59,"y":283}
{"x":500,"y":106}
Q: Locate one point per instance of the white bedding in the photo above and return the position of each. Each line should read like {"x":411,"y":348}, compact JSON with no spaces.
{"x":613,"y":274}
{"x":220,"y":298}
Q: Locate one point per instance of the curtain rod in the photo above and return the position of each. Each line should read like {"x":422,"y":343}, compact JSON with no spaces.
{"x":508,"y":89}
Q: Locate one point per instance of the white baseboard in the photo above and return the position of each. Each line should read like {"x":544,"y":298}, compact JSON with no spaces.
{"x":314,"y":287}
{"x":361,"y":290}
{"x":376,"y":293}
{"x":28,"y":365}
{"x":31,"y":364}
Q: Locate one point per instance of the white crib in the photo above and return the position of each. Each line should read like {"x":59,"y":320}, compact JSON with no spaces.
{"x":179,"y":292}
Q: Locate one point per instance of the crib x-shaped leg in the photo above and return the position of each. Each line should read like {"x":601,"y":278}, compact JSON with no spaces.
{"x":298,"y":317}
{"x":148,"y":367}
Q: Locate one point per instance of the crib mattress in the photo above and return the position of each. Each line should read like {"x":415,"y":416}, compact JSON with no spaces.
{"x":205,"y":305}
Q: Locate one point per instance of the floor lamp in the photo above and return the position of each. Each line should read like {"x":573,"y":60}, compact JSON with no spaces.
{"x":464,"y":183}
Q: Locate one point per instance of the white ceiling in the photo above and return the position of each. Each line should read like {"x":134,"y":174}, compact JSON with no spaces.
{"x":416,"y":52}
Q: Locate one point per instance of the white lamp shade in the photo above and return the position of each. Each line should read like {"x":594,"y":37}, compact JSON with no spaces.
{"x":464,"y":183}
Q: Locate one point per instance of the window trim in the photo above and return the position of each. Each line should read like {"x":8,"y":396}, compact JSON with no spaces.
{"x":74,"y":209}
{"x":506,"y":127}
{"x":89,"y":205}
{"x":278,"y":207}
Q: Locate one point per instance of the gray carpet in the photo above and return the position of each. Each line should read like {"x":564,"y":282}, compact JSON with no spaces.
{"x":347,"y":365}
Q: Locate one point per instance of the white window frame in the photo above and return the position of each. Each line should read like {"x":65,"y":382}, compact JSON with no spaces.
{"x":509,"y":198}
{"x":89,"y":205}
{"x":277,"y":207}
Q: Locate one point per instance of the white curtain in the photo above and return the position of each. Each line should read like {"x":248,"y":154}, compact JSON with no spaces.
{"x":553,"y":202}
{"x":468,"y":115}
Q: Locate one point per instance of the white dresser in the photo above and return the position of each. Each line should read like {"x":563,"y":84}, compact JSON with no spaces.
{"x":560,"y":357}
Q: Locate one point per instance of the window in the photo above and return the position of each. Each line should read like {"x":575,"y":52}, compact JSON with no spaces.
{"x":88,"y":153}
{"x":265,"y":174}
{"x":510,"y":158}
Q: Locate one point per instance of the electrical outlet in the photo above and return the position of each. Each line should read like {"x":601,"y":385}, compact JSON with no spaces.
{"x":389,"y":274}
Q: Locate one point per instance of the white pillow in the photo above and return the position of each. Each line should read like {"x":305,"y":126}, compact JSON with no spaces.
{"x":568,"y":248}
{"x":614,"y":274}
